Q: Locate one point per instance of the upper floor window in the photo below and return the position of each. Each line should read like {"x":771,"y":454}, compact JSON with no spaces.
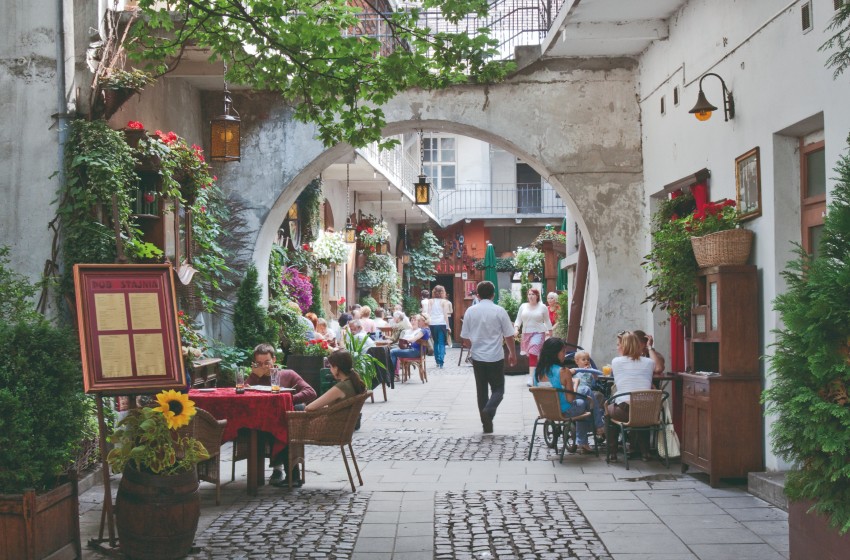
{"x":440,"y":162}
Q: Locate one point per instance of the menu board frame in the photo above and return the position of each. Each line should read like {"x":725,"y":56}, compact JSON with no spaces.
{"x":127,"y":323}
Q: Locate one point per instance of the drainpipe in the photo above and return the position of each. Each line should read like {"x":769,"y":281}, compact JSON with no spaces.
{"x":62,"y":115}
{"x":579,"y":288}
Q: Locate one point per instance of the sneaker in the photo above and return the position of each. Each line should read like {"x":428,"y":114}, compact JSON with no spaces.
{"x":486,"y":422}
{"x":276,"y":477}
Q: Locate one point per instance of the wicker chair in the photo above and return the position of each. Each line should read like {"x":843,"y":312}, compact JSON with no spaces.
{"x":418,"y":362}
{"x":206,"y":429}
{"x":549,"y":411}
{"x":646,"y":414}
{"x":332,"y":425}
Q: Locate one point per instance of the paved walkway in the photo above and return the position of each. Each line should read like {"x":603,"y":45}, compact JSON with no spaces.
{"x":436,"y":487}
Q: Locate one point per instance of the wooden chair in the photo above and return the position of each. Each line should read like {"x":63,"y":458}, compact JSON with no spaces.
{"x":206,"y":429}
{"x":418,"y":362}
{"x":646,"y":414}
{"x":332,"y":425}
{"x":548,"y":404}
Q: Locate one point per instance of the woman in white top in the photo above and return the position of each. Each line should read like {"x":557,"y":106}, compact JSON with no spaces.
{"x":439,"y":309}
{"x":533,"y":317}
{"x":632,"y":372}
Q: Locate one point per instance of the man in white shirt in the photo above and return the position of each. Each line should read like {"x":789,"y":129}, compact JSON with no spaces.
{"x":488,"y":329}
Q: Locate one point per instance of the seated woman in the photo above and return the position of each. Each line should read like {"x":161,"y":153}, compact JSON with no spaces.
{"x":632,"y":372}
{"x":550,"y":373}
{"x":348,"y":384}
{"x":413,"y":338}
{"x":324,"y":333}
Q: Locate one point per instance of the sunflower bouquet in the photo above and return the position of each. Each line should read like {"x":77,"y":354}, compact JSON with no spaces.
{"x":148,"y":441}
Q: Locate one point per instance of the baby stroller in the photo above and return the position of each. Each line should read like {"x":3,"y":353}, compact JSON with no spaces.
{"x":551,"y":431}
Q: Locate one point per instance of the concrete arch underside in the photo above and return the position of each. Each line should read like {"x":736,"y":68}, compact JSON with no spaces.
{"x":576,"y":122}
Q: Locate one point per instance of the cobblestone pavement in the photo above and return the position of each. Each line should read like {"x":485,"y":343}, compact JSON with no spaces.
{"x":513,"y":525}
{"x":404,"y":447}
{"x":435,"y":486}
{"x":310,"y":524}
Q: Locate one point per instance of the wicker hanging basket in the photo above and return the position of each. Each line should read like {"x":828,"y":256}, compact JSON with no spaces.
{"x":731,"y":246}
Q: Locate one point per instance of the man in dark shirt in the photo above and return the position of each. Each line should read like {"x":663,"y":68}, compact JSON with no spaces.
{"x":303,"y":393}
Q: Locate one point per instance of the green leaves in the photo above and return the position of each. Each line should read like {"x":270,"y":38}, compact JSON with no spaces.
{"x":811,"y":366}
{"x":323,"y":58}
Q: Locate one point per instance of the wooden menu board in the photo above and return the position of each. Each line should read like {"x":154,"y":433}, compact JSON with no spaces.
{"x":127,"y":319}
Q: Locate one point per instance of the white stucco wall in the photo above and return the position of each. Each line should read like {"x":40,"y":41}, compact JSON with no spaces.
{"x":780,"y":87}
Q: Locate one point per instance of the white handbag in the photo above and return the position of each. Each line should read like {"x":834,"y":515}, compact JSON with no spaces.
{"x":670,"y":436}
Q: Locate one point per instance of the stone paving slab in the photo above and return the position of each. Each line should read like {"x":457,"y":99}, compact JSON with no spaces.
{"x":436,"y":487}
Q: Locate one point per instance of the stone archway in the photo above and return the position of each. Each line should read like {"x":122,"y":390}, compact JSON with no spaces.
{"x":576,"y":122}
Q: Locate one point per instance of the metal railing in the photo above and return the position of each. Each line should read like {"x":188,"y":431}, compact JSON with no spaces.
{"x":497,"y":200}
{"x":512,"y":23}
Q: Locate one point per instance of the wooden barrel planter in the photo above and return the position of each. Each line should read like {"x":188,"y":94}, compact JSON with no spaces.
{"x":157,"y":516}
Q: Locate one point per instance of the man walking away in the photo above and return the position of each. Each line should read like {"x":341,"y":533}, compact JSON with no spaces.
{"x":487,"y":327}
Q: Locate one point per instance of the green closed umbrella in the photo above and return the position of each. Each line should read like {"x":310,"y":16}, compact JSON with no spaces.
{"x":490,"y":269}
{"x":561,"y":281}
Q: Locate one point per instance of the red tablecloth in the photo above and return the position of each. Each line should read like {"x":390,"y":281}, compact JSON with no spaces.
{"x":255,"y":410}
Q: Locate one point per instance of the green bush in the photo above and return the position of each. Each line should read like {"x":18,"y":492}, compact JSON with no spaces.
{"x":562,"y":323}
{"x":811,"y":367}
{"x":16,"y":294}
{"x":250,"y":321}
{"x":42,"y":406}
{"x":411,"y":305}
{"x":509,"y":302}
{"x":371,"y":302}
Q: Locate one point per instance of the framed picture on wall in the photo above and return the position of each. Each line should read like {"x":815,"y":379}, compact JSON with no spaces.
{"x":748,"y":184}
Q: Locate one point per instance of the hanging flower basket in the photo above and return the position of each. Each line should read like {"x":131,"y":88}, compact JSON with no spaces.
{"x":731,"y":246}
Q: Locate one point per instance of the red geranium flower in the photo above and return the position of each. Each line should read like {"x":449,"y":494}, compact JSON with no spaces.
{"x":370,"y":231}
{"x":340,"y":301}
{"x":372,"y":248}
{"x":306,"y":246}
{"x":135,"y":125}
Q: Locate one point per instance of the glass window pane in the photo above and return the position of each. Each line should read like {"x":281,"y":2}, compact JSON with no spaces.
{"x":815,"y":173}
{"x":449,"y":171}
{"x":429,"y":171}
{"x":447,"y":155}
{"x":815,"y":236}
{"x":447,"y":183}
{"x":448,"y":143}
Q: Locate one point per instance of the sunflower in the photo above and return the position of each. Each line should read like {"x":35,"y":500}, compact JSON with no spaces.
{"x":176,"y":408}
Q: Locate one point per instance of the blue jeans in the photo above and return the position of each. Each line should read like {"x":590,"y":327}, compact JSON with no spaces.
{"x":439,"y":334}
{"x":397,"y":353}
{"x":578,"y":407}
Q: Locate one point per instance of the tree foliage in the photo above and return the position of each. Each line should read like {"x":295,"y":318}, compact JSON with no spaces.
{"x":424,"y":258}
{"x":839,"y":41}
{"x":250,"y":322}
{"x":311,"y":54}
{"x":811,"y":366}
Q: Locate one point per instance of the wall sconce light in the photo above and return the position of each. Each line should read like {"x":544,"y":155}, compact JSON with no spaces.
{"x":421,"y":188}
{"x":518,"y":220}
{"x":703,"y":109}
{"x":468,"y":220}
{"x":225,"y":131}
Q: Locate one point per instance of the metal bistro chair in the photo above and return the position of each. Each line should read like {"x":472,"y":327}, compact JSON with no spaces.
{"x":646,"y":414}
{"x":329,"y":426}
{"x":206,"y":429}
{"x":549,"y":411}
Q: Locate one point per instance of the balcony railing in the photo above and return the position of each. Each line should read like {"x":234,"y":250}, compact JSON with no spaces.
{"x":512,"y":23}
{"x":497,"y":200}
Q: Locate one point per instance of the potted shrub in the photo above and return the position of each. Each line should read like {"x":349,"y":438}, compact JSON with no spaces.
{"x":809,"y":392}
{"x":671,"y":262}
{"x":158,"y":504}
{"x":43,"y":420}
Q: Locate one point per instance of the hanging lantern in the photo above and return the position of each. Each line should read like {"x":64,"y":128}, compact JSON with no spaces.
{"x":422,"y":191}
{"x":350,"y":231}
{"x":225,"y":132}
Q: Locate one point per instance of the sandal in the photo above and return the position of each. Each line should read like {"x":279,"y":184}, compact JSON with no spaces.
{"x":585,"y":449}
{"x":600,"y":435}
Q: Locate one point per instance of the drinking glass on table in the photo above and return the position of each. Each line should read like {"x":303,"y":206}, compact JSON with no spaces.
{"x":606,"y":370}
{"x":275,"y":380}
{"x":240,"y":381}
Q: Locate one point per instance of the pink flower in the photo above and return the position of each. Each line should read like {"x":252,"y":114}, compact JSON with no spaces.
{"x":203,"y":209}
{"x":135,"y":125}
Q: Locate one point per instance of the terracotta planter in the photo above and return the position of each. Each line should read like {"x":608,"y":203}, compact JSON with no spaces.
{"x":810,"y":535}
{"x":36,"y":526}
{"x":157,"y":516}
